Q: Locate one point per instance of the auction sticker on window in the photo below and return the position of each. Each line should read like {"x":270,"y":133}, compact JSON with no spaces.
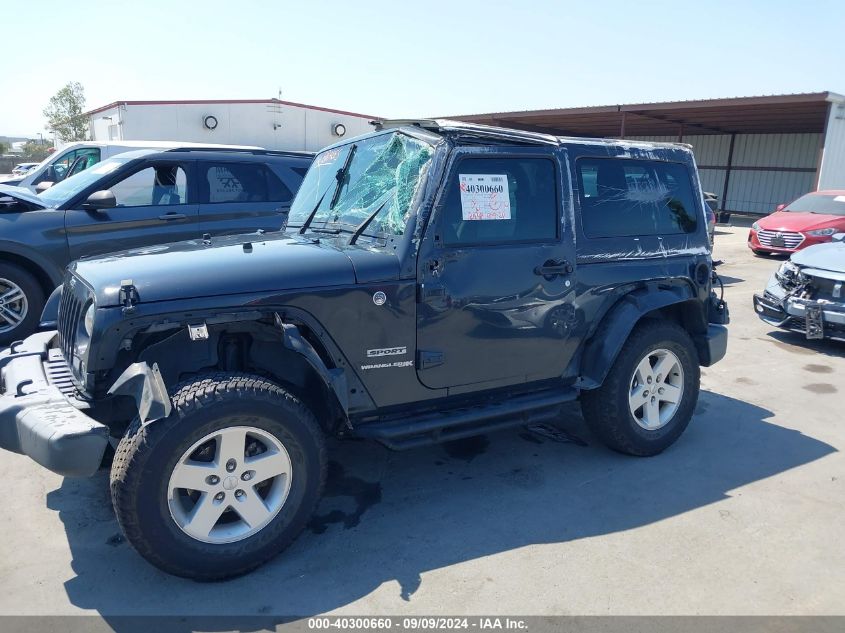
{"x":485,"y":197}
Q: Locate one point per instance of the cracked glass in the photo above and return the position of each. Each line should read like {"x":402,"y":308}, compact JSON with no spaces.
{"x":373,"y":181}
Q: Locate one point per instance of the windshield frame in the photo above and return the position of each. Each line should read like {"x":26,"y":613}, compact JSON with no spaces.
{"x":353,"y":233}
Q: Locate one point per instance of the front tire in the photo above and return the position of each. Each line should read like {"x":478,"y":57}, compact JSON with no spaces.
{"x":650,"y":393}
{"x":21,"y":303}
{"x":223,"y":484}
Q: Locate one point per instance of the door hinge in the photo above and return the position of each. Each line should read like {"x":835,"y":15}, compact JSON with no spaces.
{"x":428,"y":359}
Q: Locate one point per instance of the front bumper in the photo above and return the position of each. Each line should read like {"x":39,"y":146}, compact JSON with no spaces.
{"x":791,"y":314}
{"x":37,"y":414}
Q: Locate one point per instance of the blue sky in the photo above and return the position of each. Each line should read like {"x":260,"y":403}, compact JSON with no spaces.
{"x":407,"y":59}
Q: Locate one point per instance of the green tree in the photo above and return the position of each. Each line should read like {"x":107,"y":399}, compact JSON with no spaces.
{"x":33,"y":150}
{"x":4,"y":147}
{"x":64,"y":113}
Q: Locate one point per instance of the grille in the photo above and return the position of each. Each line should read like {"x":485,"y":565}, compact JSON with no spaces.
{"x":58,"y":372}
{"x":74,"y":299}
{"x":830,"y":289}
{"x":790,"y":238}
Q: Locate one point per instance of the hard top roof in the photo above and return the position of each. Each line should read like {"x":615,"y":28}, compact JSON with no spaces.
{"x":447,"y":127}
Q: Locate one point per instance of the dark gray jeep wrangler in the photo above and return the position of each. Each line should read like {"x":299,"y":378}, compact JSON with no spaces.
{"x":435,"y":280}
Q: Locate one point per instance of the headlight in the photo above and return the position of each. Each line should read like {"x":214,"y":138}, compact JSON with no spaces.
{"x":821,"y":232}
{"x":787,"y":274}
{"x":88,"y":322}
{"x":755,"y":226}
{"x":83,"y":335}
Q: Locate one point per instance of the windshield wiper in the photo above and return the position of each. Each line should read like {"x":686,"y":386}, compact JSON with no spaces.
{"x":363,"y":226}
{"x":341,"y":176}
{"x":313,"y":213}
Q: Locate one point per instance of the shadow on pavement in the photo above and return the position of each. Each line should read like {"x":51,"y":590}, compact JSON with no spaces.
{"x":390,"y":517}
{"x":799,"y":344}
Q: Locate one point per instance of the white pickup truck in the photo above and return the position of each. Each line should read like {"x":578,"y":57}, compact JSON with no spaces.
{"x":77,"y":157}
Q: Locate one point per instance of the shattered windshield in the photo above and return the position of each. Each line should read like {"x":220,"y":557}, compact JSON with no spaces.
{"x":368,"y":185}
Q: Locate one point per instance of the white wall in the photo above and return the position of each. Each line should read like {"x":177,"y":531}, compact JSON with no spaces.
{"x":269,"y":125}
{"x":832,"y":175}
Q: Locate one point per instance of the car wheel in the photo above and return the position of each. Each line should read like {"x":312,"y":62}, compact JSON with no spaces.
{"x":21,"y":303}
{"x":223,"y":484}
{"x":648,"y":397}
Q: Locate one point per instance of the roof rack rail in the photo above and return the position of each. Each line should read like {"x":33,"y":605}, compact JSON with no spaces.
{"x":244,"y":150}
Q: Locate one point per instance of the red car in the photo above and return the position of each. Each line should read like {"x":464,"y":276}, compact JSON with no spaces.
{"x":811,"y":219}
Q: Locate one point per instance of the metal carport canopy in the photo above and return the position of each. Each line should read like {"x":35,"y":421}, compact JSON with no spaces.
{"x":793,"y":113}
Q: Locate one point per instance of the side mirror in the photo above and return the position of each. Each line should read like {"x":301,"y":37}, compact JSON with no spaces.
{"x":43,"y":186}
{"x":780,"y":207}
{"x":837,"y":237}
{"x":100,"y":200}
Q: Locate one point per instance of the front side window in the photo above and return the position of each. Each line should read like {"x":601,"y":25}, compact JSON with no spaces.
{"x":500,"y":200}
{"x":88,"y":156}
{"x":369,"y":185}
{"x":160,"y":185}
{"x":64,"y":191}
{"x":242,"y":182}
{"x":624,"y":197}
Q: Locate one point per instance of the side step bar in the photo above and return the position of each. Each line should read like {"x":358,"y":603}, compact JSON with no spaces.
{"x":433,"y":428}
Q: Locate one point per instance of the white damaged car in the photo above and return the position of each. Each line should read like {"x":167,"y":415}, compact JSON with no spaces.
{"x":807,"y":293}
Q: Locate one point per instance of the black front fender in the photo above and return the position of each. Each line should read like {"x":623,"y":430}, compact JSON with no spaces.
{"x":603,"y":347}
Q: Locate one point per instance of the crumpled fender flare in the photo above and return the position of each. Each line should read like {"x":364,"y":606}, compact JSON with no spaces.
{"x":334,"y":379}
{"x":146,"y":386}
{"x":601,"y":350}
{"x":50,"y":313}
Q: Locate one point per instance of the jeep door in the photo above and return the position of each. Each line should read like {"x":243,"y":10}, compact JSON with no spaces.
{"x":496,"y":273}
{"x":154,"y":206}
{"x":241,"y":197}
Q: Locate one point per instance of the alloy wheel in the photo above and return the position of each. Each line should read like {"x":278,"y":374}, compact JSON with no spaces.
{"x":229,"y":485}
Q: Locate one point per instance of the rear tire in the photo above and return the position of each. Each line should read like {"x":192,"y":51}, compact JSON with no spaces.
{"x":20,"y":312}
{"x":235,"y":429}
{"x":610,"y":409}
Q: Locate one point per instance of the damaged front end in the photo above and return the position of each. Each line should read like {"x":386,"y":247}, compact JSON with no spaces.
{"x":807,"y":300}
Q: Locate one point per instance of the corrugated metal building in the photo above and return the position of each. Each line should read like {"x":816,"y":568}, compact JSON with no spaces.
{"x":752,"y":152}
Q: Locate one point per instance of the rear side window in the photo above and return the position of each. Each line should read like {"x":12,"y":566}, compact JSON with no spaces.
{"x":623,"y":197}
{"x":242,"y":182}
{"x":501,"y":200}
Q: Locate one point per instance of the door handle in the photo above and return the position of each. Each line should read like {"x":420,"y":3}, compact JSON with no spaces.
{"x":172,"y":216}
{"x":552,"y":268}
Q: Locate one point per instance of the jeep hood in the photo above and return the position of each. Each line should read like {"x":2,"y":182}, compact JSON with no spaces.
{"x":239,"y":264}
{"x":829,"y":256}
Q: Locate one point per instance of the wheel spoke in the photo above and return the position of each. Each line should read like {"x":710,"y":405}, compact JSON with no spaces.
{"x":643,"y":370}
{"x":193,"y":476}
{"x":636,"y":399}
{"x":10,"y":316}
{"x":267,"y":465}
{"x":664,"y":365}
{"x":204,"y":516}
{"x":651,"y":413}
{"x":231,"y":444}
{"x":12,"y":295}
{"x":251,"y":507}
{"x":670,"y":394}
